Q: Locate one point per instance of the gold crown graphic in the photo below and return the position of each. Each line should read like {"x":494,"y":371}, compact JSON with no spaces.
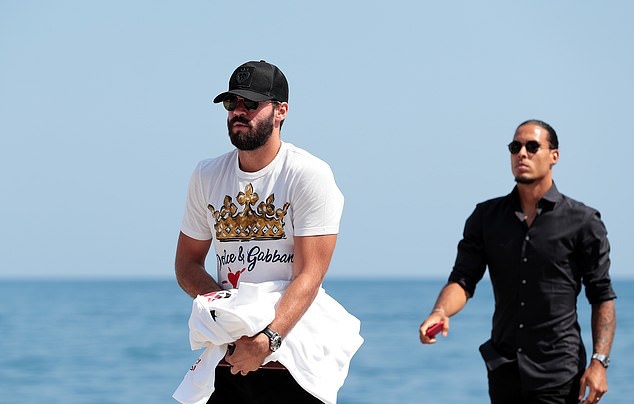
{"x":265,"y":223}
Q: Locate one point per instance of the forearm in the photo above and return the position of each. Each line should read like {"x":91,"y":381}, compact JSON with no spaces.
{"x":195,"y":280}
{"x":603,"y":326}
{"x":190,"y":266}
{"x":451,"y":300}
{"x":297,"y":298}
{"x":593,"y":383}
{"x":312,"y":258}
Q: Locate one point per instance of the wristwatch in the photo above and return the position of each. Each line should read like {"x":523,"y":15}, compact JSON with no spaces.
{"x":275,"y":339}
{"x":604,"y":359}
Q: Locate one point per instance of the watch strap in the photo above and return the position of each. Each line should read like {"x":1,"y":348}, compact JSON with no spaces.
{"x":275,"y":339}
{"x":603,"y":359}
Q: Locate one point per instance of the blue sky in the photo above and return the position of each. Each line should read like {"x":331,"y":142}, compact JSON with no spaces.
{"x":105,"y":108}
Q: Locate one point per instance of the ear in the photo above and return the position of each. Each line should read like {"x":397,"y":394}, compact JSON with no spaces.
{"x":281,"y":110}
{"x":554,"y":157}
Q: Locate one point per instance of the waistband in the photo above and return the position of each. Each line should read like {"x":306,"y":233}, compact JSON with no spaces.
{"x":268,"y":365}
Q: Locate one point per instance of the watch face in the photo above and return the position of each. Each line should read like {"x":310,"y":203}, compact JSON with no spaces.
{"x":275,"y":343}
{"x":275,"y":340}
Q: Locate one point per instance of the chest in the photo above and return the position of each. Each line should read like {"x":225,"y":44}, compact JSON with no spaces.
{"x":547,"y":250}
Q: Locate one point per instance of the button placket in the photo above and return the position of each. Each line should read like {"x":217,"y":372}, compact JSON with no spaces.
{"x":523,"y":272}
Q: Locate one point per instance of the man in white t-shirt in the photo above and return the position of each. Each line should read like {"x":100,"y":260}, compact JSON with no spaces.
{"x":272,"y":211}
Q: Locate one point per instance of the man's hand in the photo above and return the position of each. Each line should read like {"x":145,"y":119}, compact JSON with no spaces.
{"x":249,"y":354}
{"x":594,"y":378}
{"x":435,"y":317}
{"x":451,"y":300}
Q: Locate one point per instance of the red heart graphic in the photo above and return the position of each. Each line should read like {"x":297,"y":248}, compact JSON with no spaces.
{"x":233,"y":277}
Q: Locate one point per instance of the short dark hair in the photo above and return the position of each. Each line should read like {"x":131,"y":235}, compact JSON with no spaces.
{"x":552,"y":135}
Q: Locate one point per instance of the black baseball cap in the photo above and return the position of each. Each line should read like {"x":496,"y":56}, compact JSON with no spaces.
{"x":257,"y":81}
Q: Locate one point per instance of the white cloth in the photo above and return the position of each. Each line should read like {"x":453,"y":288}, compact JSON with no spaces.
{"x":317,"y":351}
{"x":296,"y":187}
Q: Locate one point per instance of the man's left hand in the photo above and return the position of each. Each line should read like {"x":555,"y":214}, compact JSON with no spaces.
{"x":249,"y":354}
{"x":594,"y":379}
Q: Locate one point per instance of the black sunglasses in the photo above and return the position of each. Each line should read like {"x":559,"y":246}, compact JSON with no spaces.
{"x":531,"y":146}
{"x":231,"y":102}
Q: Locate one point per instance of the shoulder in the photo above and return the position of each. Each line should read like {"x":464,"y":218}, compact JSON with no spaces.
{"x":572,"y":203}
{"x":586,"y":218}
{"x":494,"y":204}
{"x":493,"y":210}
{"x":210,"y":165}
{"x":494,"y":201}
{"x":304,"y":162}
{"x":578,"y":208}
{"x":297,"y":154}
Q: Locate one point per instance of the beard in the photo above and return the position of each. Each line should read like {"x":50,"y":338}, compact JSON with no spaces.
{"x":254,"y":137}
{"x":522,"y":180}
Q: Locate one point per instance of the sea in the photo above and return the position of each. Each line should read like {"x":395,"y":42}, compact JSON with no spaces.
{"x":126,"y":341}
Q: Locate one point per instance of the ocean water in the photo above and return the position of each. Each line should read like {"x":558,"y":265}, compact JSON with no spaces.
{"x":84,"y":342}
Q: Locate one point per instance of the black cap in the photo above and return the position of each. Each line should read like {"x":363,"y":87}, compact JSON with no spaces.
{"x":257,"y":81}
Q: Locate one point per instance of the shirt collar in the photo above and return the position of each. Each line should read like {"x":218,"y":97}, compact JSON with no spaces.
{"x":550,"y":199}
{"x":547,"y":203}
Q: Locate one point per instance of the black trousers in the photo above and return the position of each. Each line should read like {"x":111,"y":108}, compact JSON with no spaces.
{"x":505,"y":388}
{"x":261,"y":387}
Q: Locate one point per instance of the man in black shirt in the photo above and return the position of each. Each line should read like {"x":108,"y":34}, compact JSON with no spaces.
{"x":540,"y":247}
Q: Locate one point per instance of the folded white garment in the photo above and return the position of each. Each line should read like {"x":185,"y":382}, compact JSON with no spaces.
{"x":317,"y":351}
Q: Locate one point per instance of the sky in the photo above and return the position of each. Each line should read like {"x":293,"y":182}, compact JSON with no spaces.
{"x":105,"y":109}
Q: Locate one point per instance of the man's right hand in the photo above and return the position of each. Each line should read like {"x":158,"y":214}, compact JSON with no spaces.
{"x":435,"y":317}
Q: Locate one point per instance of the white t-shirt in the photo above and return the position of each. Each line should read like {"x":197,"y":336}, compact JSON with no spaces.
{"x":252,"y":217}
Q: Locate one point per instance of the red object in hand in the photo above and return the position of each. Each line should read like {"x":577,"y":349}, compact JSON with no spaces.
{"x":434,"y":329}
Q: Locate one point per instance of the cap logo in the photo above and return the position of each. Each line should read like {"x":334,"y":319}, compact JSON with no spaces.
{"x":243,"y":77}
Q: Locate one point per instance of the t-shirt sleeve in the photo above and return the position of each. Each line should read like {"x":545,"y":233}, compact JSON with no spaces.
{"x":195,"y":223}
{"x":317,"y":202}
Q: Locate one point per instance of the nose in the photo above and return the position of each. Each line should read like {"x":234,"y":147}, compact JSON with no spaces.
{"x":523,"y":153}
{"x":240,"y":109}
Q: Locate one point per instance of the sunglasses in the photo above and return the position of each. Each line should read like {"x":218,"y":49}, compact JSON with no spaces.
{"x":231,"y":102}
{"x":531,"y":146}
